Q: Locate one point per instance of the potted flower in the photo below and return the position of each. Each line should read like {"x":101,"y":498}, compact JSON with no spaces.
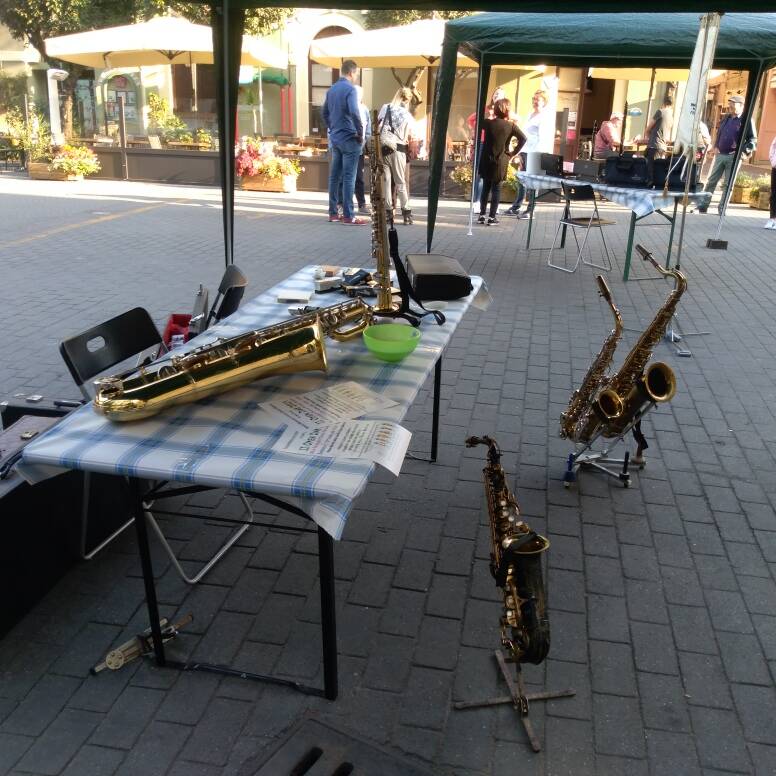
{"x":260,"y":170}
{"x":760,"y":193}
{"x":74,"y":162}
{"x":462,"y":175}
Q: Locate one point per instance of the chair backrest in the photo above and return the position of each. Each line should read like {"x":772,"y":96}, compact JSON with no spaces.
{"x":230,"y":293}
{"x":107,"y":344}
{"x":575,"y":192}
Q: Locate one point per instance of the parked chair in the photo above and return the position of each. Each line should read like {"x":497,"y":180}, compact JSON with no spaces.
{"x":91,"y":353}
{"x":579,"y":194}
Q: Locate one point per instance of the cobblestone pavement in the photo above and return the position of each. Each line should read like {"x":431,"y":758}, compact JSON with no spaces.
{"x":661,"y":597}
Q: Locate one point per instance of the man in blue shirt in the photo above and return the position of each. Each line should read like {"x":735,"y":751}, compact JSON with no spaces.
{"x":731,"y":132}
{"x":346,"y":133}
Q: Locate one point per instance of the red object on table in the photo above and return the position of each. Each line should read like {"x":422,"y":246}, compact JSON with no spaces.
{"x":177,"y":323}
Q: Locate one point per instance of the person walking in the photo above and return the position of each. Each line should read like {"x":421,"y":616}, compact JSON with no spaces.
{"x":395,"y":117}
{"x":730,"y":134}
{"x":494,"y":156}
{"x":658,"y":133}
{"x":771,"y":222}
{"x":346,"y":132}
{"x":537,"y":139}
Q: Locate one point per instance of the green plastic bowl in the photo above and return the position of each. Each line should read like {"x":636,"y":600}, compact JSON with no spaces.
{"x":391,"y":341}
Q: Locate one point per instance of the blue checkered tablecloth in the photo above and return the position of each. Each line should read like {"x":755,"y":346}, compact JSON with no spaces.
{"x":223,"y":441}
{"x":641,"y":201}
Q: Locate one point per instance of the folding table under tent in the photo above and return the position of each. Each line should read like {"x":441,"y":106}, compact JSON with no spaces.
{"x":755,"y":50}
{"x":747,"y":41}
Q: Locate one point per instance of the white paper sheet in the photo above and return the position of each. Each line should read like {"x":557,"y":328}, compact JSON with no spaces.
{"x":335,"y":403}
{"x":380,"y":441}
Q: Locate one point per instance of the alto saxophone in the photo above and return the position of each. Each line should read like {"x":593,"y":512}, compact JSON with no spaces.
{"x":294,"y":345}
{"x":638,"y":384}
{"x":516,"y":565}
{"x":575,"y":421}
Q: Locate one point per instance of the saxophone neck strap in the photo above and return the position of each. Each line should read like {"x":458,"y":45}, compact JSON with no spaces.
{"x":405,"y":286}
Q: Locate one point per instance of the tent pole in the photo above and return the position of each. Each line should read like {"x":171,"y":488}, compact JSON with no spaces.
{"x":482,"y":90}
{"x":443,"y":94}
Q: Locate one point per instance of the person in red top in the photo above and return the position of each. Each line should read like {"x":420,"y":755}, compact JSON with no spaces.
{"x":607,"y":139}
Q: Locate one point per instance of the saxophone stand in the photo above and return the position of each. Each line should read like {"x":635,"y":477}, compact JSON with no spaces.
{"x":675,"y":335}
{"x":618,"y":468}
{"x":517,"y":697}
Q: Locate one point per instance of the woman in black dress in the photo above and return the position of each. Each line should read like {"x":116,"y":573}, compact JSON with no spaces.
{"x":495,"y":156}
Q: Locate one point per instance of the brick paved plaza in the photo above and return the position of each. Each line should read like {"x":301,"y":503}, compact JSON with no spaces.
{"x":662,"y":601}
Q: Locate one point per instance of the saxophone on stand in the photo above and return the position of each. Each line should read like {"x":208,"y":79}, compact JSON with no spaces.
{"x":609,"y":406}
{"x":516,"y":565}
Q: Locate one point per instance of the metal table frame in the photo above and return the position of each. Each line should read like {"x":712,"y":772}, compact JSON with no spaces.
{"x":533,"y":197}
{"x":325,"y":570}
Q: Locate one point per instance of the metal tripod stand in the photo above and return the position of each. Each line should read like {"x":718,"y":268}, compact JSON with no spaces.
{"x":517,"y":697}
{"x":599,"y":460}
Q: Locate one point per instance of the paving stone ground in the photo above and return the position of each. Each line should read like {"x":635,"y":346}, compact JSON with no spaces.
{"x":662,"y":599}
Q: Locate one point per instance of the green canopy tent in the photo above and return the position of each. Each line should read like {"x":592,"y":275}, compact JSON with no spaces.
{"x":228,"y":16}
{"x":746,"y":42}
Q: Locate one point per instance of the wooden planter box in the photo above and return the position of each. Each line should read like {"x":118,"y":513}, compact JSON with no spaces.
{"x":285,"y":184}
{"x":40,"y":171}
{"x":762,"y":201}
{"x":740,"y":194}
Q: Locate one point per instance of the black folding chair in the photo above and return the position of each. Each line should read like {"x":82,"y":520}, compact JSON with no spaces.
{"x":91,"y":353}
{"x":577,"y":194}
{"x":230,"y":294}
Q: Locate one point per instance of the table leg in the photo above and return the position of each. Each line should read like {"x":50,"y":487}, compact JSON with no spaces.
{"x":435,"y":421}
{"x":328,"y":614}
{"x":671,"y":235}
{"x":148,"y":572}
{"x":531,"y":206}
{"x":629,"y":249}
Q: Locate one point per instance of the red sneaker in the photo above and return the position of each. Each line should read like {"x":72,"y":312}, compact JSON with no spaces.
{"x":356,"y":221}
{"x":333,"y":219}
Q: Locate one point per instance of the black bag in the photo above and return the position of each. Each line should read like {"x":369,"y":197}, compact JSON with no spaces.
{"x":675,"y":180}
{"x":626,"y":171}
{"x":437,"y":277}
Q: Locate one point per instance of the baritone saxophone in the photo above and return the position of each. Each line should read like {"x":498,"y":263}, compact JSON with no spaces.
{"x":294,"y":345}
{"x":516,"y":565}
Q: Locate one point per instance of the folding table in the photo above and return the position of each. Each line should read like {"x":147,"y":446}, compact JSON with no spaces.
{"x":641,"y":203}
{"x":226,"y":441}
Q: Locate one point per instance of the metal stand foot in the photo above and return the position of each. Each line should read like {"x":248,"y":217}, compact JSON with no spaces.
{"x":517,"y":697}
{"x":675,"y":335}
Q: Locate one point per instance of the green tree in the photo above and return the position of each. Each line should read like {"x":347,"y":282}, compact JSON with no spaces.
{"x":395,"y":17}
{"x":258,"y":21}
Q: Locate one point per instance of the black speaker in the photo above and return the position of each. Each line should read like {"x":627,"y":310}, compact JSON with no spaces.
{"x":675,"y":180}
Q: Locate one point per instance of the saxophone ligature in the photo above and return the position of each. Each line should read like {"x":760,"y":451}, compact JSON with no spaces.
{"x":295,"y":345}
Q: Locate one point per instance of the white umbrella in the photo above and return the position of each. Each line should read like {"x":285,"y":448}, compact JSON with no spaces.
{"x":164,"y":40}
{"x":418,"y":44}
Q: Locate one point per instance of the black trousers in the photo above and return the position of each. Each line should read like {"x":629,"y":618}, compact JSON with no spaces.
{"x":493,"y":189}
{"x":773,"y":192}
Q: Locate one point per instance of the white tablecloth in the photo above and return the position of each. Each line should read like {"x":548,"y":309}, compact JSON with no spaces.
{"x":222,"y":441}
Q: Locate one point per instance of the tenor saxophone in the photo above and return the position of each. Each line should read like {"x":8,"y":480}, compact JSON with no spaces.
{"x":516,"y":565}
{"x":574,"y":421}
{"x":295,"y":345}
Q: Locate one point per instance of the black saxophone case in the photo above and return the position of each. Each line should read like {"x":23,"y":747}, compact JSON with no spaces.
{"x":675,"y":180}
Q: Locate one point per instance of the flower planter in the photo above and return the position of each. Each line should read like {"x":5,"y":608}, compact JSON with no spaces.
{"x":285,"y":183}
{"x":40,"y":171}
{"x":740,"y":194}
{"x":761,"y":200}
